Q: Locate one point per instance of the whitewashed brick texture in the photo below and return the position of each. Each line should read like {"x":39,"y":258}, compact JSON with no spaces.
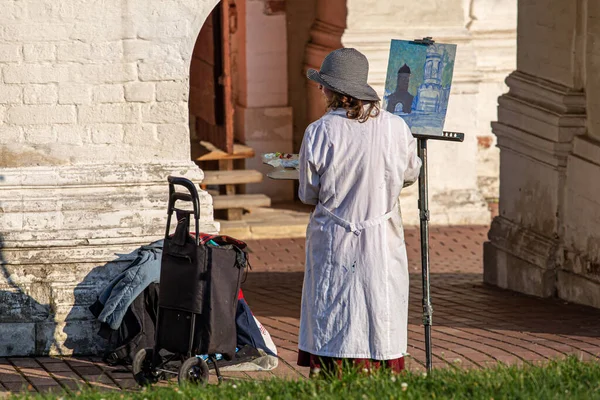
{"x":85,"y":148}
{"x":35,"y":52}
{"x":172,"y":91}
{"x":10,"y":53}
{"x":11,"y":134}
{"x":108,"y":94}
{"x":11,"y":94}
{"x":140,"y":92}
{"x":40,"y":94}
{"x":75,"y":73}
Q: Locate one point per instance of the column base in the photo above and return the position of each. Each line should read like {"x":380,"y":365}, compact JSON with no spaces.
{"x":579,"y":277}
{"x":61,"y":229}
{"x":519,"y":259}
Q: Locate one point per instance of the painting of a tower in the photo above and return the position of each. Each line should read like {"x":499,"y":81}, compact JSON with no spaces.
{"x":420,"y":75}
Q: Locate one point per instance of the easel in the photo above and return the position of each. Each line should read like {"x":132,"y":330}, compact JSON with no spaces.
{"x":424,"y":220}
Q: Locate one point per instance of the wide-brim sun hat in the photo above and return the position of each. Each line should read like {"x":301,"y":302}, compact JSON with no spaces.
{"x":345,"y":71}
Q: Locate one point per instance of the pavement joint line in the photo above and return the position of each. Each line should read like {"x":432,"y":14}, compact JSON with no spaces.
{"x":445,"y":348}
{"x":433,"y":354}
{"x":577,"y":339}
{"x":85,"y":381}
{"x":490,"y":345}
{"x":18,"y":369}
{"x":575,"y":347}
{"x":281,"y":322}
{"x":477,"y":327}
{"x":290,"y":366}
{"x":63,"y":386}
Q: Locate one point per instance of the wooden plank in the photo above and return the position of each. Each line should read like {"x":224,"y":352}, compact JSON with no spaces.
{"x":202,"y":94}
{"x":244,"y":201}
{"x":211,"y":98}
{"x":207,"y":131}
{"x":227,"y":165}
{"x":284,"y":174}
{"x":202,"y":98}
{"x":206,"y":151}
{"x":225,"y":78}
{"x":234,"y":177}
{"x":204,"y":47}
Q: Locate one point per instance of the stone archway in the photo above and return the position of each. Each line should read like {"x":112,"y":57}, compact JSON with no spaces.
{"x":94,"y":118}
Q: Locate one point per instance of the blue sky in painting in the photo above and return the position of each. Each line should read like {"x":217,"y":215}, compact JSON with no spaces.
{"x":413,"y":55}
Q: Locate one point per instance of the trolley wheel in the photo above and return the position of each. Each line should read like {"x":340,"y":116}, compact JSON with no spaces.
{"x":143,"y":367}
{"x":193,"y":370}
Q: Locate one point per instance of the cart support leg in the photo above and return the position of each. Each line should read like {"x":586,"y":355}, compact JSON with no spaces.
{"x":424,"y":222}
{"x":190,"y":352}
{"x":217,"y":370}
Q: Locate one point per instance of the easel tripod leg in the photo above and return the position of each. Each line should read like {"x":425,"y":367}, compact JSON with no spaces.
{"x":424,"y":223}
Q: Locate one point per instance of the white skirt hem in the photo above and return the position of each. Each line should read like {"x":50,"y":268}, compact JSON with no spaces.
{"x":378,"y":357}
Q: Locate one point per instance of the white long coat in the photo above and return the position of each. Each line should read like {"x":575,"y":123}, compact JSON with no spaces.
{"x":355,"y":294}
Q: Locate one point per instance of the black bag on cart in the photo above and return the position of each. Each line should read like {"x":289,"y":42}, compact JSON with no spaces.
{"x":137,"y":331}
{"x":199,"y":286}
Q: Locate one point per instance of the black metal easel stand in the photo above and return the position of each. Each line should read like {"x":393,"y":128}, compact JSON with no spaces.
{"x":424,"y":222}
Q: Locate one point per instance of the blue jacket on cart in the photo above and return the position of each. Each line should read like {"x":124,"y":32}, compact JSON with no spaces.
{"x":143,"y":270}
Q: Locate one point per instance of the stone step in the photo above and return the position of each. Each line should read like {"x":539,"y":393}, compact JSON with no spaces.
{"x":234,"y":177}
{"x":268,"y":223}
{"x":245,"y":201}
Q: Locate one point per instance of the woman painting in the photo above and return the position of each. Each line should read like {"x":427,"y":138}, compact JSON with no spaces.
{"x":354,"y":162}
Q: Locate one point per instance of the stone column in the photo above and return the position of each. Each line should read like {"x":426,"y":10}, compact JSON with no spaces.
{"x":93,"y":117}
{"x":545,"y":241}
{"x":578,"y":279}
{"x":325,"y":36}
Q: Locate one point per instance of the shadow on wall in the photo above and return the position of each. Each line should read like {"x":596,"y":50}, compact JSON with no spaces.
{"x":20,"y":314}
{"x":28,"y":327}
{"x":81,"y":327}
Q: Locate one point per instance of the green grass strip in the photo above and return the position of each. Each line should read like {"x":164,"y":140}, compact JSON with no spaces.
{"x":559,"y":379}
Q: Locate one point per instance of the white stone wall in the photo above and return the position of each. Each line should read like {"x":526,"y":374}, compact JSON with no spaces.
{"x":83,"y":81}
{"x":93,"y":118}
{"x":463,"y":176}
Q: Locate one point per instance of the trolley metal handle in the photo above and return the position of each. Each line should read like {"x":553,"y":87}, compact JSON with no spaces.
{"x":192,"y":197}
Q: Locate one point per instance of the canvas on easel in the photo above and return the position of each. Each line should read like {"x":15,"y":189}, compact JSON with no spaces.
{"x":417,"y":89}
{"x":418,"y":83}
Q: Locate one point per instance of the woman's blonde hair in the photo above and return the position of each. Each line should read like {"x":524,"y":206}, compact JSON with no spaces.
{"x":355,"y":108}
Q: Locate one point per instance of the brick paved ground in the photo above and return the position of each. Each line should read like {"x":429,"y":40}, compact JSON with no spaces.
{"x":473,"y":323}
